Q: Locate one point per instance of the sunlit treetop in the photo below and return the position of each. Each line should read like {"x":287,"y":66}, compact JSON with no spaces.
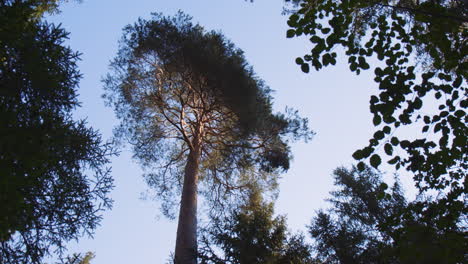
{"x":179,"y":89}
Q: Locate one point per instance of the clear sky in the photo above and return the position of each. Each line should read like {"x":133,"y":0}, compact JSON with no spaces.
{"x":335,"y":101}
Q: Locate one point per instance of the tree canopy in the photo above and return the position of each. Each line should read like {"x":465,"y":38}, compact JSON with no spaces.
{"x":53,"y":176}
{"x":250,"y":234}
{"x":193,"y":109}
{"x":370,"y":222}
{"x":417,"y":50}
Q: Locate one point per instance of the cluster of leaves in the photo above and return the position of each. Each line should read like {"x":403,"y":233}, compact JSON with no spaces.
{"x":252,"y":235}
{"x":421,"y":46}
{"x":45,"y":156}
{"x":174,"y":85}
{"x":372,"y":223}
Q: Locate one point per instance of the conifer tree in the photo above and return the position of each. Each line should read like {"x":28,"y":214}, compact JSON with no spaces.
{"x":195,"y":113}
{"x":53,"y":176}
{"x":251,"y":234}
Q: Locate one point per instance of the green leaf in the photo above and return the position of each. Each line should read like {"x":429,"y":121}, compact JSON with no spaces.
{"x":315,"y":39}
{"x":367,"y":151}
{"x":290,"y":33}
{"x":292,"y":23}
{"x":294,"y":17}
{"x":378,"y":71}
{"x":325,"y":59}
{"x":305,"y":68}
{"x":437,"y":127}
{"x":405,"y":144}
{"x":361,"y":166}
{"x":459,"y":113}
{"x":464,"y":103}
{"x":427,"y":119}
{"x":457,"y":82}
{"x":376,"y":120}
{"x":379,"y":135}
{"x":388,"y":149}
{"x":387,"y":130}
{"x":357,"y":155}
{"x":394,"y":160}
{"x":383,"y":186}
{"x":362,"y":63}
{"x":375,"y":161}
{"x":417,"y":103}
{"x":409,"y":48}
{"x":325,"y":30}
{"x":299,"y":61}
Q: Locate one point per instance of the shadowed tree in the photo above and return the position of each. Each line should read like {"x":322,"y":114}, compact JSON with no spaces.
{"x":48,"y":195}
{"x":250,"y":234}
{"x":372,"y":223}
{"x":195,"y":112}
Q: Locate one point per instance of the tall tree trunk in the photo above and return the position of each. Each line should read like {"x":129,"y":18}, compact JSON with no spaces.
{"x":186,"y":242}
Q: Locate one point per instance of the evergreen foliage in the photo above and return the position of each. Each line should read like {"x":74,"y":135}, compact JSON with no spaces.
{"x":370,"y":222}
{"x":250,"y":234}
{"x":47,"y":193}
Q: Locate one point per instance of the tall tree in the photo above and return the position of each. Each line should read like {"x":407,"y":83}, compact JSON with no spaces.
{"x":370,"y":222}
{"x":422,"y":46}
{"x":195,"y":112}
{"x":250,"y":234}
{"x":47,"y":193}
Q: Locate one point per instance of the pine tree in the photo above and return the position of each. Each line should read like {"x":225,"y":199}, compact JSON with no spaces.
{"x":195,"y":112}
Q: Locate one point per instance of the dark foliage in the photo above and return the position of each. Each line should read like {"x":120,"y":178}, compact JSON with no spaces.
{"x":372,"y":223}
{"x":252,"y":235}
{"x":421,"y":74}
{"x":46,"y":196}
{"x":37,"y":7}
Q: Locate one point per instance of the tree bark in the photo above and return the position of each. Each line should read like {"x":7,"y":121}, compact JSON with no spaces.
{"x":186,"y":241}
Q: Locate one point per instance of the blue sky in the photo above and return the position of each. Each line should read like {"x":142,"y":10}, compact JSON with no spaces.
{"x":335,"y":100}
